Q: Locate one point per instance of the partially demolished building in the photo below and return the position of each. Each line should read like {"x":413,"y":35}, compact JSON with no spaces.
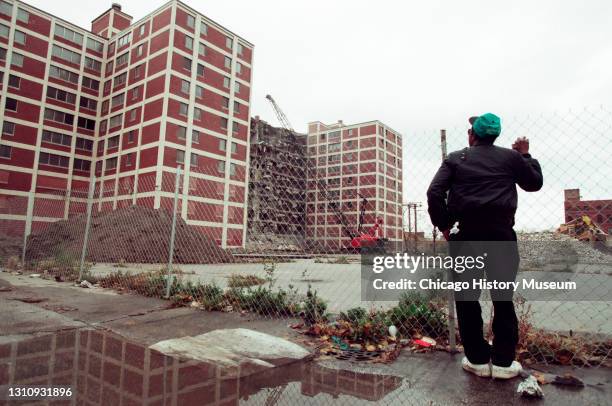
{"x":277,"y":188}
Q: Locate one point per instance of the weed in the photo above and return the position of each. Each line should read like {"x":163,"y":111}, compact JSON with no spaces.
{"x":240,"y":281}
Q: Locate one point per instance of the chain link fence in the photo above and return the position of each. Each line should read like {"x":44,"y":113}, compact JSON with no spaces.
{"x":193,"y":234}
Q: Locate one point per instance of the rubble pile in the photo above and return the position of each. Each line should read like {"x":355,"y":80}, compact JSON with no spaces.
{"x":540,"y":248}
{"x":131,"y":235}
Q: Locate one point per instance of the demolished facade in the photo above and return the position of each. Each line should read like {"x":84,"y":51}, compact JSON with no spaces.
{"x":277,"y":188}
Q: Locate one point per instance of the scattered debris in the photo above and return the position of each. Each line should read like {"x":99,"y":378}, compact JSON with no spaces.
{"x":240,"y":281}
{"x":425,"y":342}
{"x":35,"y":275}
{"x":31,"y":299}
{"x":86,"y":284}
{"x":5,"y":289}
{"x":530,"y":388}
{"x":568,"y":380}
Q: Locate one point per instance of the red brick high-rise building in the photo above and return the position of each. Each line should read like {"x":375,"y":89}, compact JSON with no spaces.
{"x":354,"y":162}
{"x":123,"y":104}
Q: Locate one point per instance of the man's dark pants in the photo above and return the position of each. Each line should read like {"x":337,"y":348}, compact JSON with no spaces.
{"x":497,"y":242}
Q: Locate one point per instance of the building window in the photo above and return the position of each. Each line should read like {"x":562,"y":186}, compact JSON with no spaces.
{"x":117,"y":100}
{"x":14,"y":81}
{"x":180,"y":156}
{"x":121,"y":59}
{"x":124,"y":40}
{"x":190,"y":21}
{"x":187,"y":63}
{"x":181,"y":132}
{"x":119,"y":80}
{"x":4,"y":31}
{"x":238,"y":68}
{"x":130,"y":137}
{"x":10,"y":104}
{"x":81,"y":165}
{"x":56,"y":138}
{"x":225,"y":103}
{"x":201,"y":49}
{"x":240,"y":49}
{"x":226,"y":82}
{"x":222,"y":145}
{"x":232,"y":169}
{"x":62,"y":74}
{"x":135,"y":93}
{"x":235,"y":127}
{"x":86,"y":123}
{"x":200,"y":70}
{"x":6,"y":8}
{"x":90,"y":83}
{"x":94,"y":45}
{"x":229,"y":43}
{"x":203,"y":28}
{"x":236,"y":107}
{"x":128,"y":160}
{"x":195,"y":136}
{"x":194,"y":159}
{"x":61,"y":95}
{"x":115,"y":121}
{"x":66,"y":54}
{"x":133,"y":114}
{"x":199,"y":92}
{"x":141,"y":31}
{"x":183,"y":109}
{"x":2,"y":54}
{"x":221,"y":166}
{"x":5,"y":151}
{"x":113,"y":142}
{"x":111,"y":163}
{"x":92,"y":64}
{"x":197,"y":114}
{"x":224,"y":123}
{"x":188,"y":42}
{"x":8,"y":128}
{"x":184,"y":86}
{"x":53,"y":160}
{"x":84,"y":144}
{"x":20,"y":37}
{"x":234,"y":147}
{"x":68,"y":34}
{"x":17,"y":60}
{"x":140,"y":50}
{"x":23,"y":15}
{"x":228,"y":62}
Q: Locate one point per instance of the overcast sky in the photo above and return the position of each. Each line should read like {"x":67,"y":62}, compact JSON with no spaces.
{"x":422,"y":66}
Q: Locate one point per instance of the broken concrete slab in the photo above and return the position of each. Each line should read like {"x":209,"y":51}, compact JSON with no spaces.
{"x":240,"y":352}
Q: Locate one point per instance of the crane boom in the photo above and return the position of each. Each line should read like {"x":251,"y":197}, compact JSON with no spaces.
{"x":282,"y":118}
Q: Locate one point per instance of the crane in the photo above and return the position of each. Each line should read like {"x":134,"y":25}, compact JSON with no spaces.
{"x":368,"y":241}
{"x":282,"y":118}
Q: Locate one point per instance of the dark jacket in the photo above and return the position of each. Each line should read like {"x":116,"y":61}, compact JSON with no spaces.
{"x":481,"y":184}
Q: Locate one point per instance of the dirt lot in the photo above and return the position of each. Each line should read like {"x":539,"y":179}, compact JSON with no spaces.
{"x":135,"y":235}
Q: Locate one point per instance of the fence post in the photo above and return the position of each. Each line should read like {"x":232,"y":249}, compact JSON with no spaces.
{"x":27,"y":225}
{"x":90,"y":196}
{"x":173,"y":231}
{"x":451,"y":302}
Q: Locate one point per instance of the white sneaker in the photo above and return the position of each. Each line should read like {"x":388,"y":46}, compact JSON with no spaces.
{"x":483,"y":370}
{"x":506,"y":372}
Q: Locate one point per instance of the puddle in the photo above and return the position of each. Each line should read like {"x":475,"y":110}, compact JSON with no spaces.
{"x":103,"y":368}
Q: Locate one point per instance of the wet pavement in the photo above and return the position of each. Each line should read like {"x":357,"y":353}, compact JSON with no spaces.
{"x":103,"y":368}
{"x":99,"y":345}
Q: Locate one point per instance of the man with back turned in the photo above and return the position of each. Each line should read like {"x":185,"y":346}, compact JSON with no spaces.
{"x":472,"y":199}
